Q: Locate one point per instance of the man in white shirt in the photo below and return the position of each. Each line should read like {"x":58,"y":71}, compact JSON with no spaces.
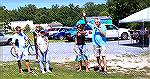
{"x":19,"y":40}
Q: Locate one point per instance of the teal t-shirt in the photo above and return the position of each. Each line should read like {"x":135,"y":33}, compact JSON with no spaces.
{"x":97,"y":38}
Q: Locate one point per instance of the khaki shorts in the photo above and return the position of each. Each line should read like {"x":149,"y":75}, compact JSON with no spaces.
{"x":99,"y":51}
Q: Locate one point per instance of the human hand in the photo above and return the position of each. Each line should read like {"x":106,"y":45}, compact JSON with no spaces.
{"x":16,"y":52}
{"x":84,"y":14}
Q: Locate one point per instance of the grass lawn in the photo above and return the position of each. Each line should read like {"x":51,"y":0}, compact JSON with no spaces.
{"x":9,"y":70}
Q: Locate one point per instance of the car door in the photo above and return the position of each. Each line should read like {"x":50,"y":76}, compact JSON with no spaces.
{"x":112,"y":31}
{"x":1,"y":37}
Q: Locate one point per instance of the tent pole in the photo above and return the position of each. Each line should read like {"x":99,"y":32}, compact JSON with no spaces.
{"x":143,"y":35}
{"x":118,"y":33}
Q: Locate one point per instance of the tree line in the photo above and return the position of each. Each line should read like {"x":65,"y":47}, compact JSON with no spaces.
{"x":69,"y":14}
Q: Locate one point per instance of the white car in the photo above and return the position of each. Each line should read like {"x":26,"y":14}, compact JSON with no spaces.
{"x":112,"y":32}
{"x":5,"y":39}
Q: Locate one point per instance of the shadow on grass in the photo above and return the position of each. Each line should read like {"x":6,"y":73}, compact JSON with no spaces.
{"x":95,"y":68}
{"x":26,"y":70}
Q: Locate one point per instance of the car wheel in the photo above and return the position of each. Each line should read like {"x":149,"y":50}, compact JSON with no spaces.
{"x":55,"y":38}
{"x":124,"y":36}
{"x":68,"y":37}
{"x":61,"y":37}
{"x":9,"y":41}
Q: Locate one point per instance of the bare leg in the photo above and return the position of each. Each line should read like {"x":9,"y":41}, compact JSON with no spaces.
{"x":99,"y":62}
{"x":86,"y":65}
{"x":20,"y":68}
{"x":80,"y":65}
{"x":28,"y":65}
{"x":104,"y":62}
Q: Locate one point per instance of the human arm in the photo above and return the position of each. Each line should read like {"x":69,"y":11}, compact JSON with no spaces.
{"x":47,"y":44}
{"x":34,"y":35}
{"x":74,"y":48}
{"x":14,"y":44}
{"x":103,"y":32}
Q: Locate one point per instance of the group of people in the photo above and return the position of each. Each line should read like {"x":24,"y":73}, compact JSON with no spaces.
{"x":99,"y":45}
{"x":41,"y":46}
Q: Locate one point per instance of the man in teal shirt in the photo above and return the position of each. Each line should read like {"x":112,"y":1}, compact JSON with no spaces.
{"x":99,"y":43}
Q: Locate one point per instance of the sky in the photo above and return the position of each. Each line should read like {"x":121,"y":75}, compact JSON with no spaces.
{"x":14,"y":4}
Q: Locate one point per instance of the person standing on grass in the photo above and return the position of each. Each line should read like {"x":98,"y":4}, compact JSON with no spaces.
{"x":79,"y":48}
{"x":42,"y":43}
{"x":99,"y":43}
{"x":35,"y":35}
{"x":18,"y":41}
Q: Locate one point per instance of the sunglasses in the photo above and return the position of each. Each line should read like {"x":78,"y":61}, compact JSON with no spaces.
{"x":97,"y":22}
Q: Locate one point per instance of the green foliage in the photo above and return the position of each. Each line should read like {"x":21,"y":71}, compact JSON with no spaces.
{"x":27,"y":28}
{"x":70,"y":14}
{"x":119,"y":9}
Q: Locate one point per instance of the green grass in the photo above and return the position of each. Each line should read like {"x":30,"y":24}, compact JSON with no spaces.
{"x":9,"y":70}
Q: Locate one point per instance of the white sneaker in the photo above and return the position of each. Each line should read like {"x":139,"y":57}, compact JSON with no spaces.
{"x":43,"y":72}
{"x":48,"y":71}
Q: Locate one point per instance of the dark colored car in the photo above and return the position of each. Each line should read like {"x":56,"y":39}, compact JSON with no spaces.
{"x":61,"y":34}
{"x":70,"y":35}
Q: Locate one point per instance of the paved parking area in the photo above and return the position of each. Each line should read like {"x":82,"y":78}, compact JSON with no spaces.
{"x":63,"y":51}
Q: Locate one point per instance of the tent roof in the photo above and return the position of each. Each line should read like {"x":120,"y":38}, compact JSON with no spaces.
{"x":141,"y":16}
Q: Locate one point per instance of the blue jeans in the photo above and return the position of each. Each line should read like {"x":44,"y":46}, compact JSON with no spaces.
{"x":44,"y":58}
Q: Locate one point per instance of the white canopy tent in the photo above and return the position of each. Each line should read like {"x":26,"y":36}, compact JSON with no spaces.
{"x":141,"y":16}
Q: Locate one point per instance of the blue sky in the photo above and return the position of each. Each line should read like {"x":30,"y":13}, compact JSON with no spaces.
{"x":14,"y":4}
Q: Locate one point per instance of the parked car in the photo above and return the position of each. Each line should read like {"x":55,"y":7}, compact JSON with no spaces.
{"x":5,"y":39}
{"x":70,"y":35}
{"x":61,"y":33}
{"x":113,"y":32}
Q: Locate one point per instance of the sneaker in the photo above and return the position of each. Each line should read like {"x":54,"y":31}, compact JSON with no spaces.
{"x":79,"y":70}
{"x":43,"y":72}
{"x":105,"y":73}
{"x":100,"y":70}
{"x":48,"y":71}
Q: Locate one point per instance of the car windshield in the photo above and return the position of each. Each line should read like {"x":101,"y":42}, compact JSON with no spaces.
{"x":55,"y":29}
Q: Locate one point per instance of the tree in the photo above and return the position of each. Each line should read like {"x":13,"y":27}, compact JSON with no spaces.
{"x":27,"y":12}
{"x":27,"y":28}
{"x":119,"y":9}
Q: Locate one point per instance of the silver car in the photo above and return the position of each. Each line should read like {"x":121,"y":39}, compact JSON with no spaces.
{"x":4,"y":39}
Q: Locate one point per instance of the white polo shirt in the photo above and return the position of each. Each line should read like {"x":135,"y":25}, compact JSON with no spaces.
{"x":42,"y":41}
